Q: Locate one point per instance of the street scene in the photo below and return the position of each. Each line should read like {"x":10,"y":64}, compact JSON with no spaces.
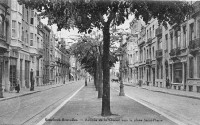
{"x":99,"y":62}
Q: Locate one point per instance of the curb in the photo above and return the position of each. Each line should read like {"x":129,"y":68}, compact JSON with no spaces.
{"x":29,"y":93}
{"x":193,"y":97}
{"x":177,"y":118}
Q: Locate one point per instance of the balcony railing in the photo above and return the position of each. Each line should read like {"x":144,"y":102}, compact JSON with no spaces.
{"x":175,"y":52}
{"x":141,"y":42}
{"x":194,"y":44}
{"x":148,"y":62}
{"x":149,"y":40}
{"x":2,"y":37}
{"x":159,"y":31}
{"x":159,"y":53}
{"x":196,"y":8}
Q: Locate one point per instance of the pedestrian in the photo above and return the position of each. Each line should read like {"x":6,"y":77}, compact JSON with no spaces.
{"x":167,"y":82}
{"x":17,"y":87}
{"x":32,"y":80}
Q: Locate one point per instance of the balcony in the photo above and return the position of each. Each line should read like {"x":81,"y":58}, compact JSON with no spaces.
{"x":2,"y":37}
{"x":194,"y":46}
{"x":141,"y":42}
{"x":148,"y":62}
{"x":175,"y":52}
{"x":159,"y":31}
{"x":196,"y":8}
{"x":149,"y":40}
{"x":159,"y":54}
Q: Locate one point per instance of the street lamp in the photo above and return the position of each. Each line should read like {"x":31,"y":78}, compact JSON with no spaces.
{"x":121,"y":93}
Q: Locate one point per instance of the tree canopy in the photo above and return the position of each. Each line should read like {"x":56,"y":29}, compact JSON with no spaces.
{"x":86,"y":14}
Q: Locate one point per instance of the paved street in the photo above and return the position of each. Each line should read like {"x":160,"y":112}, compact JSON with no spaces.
{"x":182,"y":108}
{"x":85,"y":108}
{"x":31,"y":108}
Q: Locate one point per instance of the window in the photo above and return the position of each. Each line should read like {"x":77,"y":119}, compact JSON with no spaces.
{"x":191,"y":67}
{"x":198,"y":66}
{"x":159,"y":43}
{"x":178,"y":73}
{"x":198,"y":24}
{"x":14,"y":29}
{"x":19,"y":27}
{"x":31,"y":39}
{"x":147,"y":34}
{"x":184,"y":36}
{"x":38,"y":42}
{"x":171,"y":38}
{"x":23,"y":35}
{"x":150,"y":32}
{"x":2,"y":24}
{"x":166,"y":41}
{"x":27,"y":15}
{"x":32,"y":18}
{"x":153,"y":52}
{"x":153,"y":31}
{"x":191,"y":35}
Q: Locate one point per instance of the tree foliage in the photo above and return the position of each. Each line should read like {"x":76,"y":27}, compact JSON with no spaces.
{"x":86,"y":51}
{"x":85,"y":15}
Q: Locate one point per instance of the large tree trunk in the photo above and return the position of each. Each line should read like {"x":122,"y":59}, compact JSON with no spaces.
{"x":100,"y":90}
{"x":106,"y":72}
{"x":97,"y":76}
{"x":95,"y":80}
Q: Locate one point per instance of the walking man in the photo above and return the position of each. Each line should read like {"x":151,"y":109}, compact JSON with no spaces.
{"x":32,"y":80}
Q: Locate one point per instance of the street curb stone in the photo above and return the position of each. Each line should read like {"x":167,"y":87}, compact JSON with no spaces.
{"x":193,"y":97}
{"x":29,"y":93}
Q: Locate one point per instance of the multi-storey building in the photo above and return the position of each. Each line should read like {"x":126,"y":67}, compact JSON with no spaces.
{"x":4,"y":46}
{"x":191,"y":32}
{"x":52,"y":58}
{"x":15,"y":54}
{"x":62,"y":66}
{"x":142,"y":55}
{"x":46,"y":58}
{"x":39,"y":69}
{"x":171,"y":52}
{"x":25,"y":60}
{"x":133,"y":53}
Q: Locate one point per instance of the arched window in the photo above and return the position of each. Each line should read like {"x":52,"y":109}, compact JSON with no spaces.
{"x":2,"y":18}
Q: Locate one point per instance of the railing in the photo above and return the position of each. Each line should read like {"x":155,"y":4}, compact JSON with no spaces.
{"x":148,"y":62}
{"x":141,"y":42}
{"x":194,"y":44}
{"x":149,"y":40}
{"x":40,"y":51}
{"x":2,"y":37}
{"x":159,"y":53}
{"x":175,"y":52}
{"x":196,"y":8}
{"x":159,"y":31}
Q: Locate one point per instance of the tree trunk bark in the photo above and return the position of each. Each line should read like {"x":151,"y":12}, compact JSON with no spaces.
{"x":95,"y":80}
{"x":100,"y":91}
{"x":106,"y":72}
{"x":97,"y":76}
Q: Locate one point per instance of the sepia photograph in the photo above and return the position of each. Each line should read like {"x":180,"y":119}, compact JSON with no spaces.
{"x":99,"y":62}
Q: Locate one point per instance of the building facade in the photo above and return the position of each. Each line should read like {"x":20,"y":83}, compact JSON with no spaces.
{"x":4,"y":45}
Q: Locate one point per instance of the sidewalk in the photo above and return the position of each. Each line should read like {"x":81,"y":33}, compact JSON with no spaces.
{"x":182,"y":93}
{"x":26,"y":91}
{"x":85,"y":109}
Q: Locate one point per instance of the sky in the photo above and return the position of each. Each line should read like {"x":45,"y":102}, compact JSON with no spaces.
{"x":74,"y":32}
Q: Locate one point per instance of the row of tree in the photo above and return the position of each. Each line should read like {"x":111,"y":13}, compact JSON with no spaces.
{"x":103,"y":14}
{"x":89,"y":53}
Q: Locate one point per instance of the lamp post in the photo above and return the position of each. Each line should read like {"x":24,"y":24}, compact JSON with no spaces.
{"x":121,"y":93}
